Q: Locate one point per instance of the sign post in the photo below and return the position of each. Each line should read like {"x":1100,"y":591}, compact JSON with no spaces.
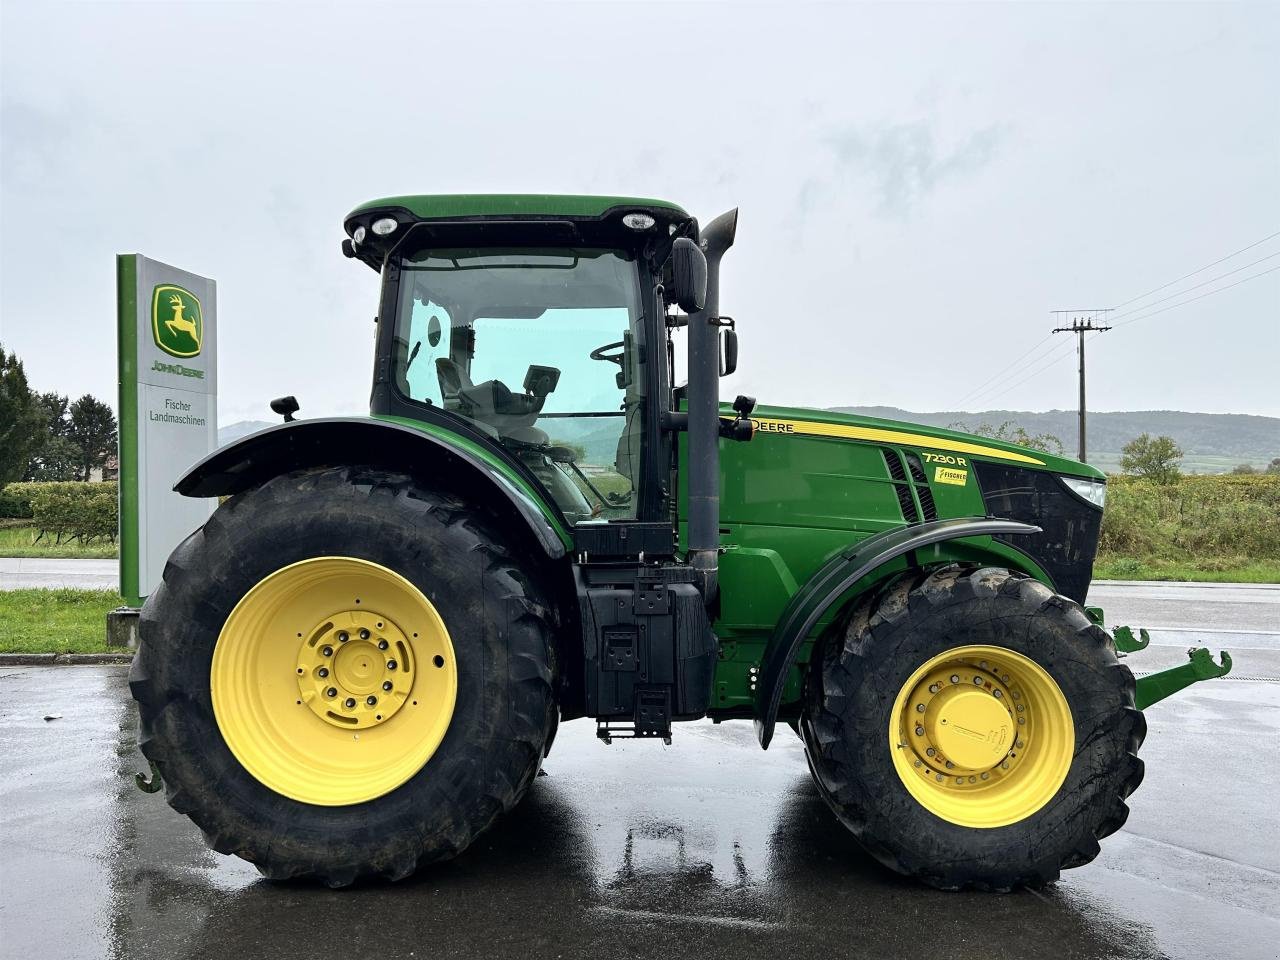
{"x":168,"y":379}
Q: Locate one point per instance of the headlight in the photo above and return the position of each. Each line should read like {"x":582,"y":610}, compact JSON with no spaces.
{"x":1095,"y":491}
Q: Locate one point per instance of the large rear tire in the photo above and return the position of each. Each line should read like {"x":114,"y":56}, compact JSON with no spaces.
{"x":344,"y":675}
{"x":973,"y":729}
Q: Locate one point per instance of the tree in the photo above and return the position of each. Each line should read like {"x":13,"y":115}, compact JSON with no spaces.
{"x":20,"y":418}
{"x":1155,"y":458}
{"x":1012,"y":432}
{"x":1274,"y":466}
{"x":1243,"y":469}
{"x":56,"y":456}
{"x":92,"y":429}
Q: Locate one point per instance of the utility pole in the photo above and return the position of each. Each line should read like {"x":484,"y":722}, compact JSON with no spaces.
{"x":1082,"y":322}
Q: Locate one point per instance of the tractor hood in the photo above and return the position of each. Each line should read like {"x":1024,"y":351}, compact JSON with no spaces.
{"x":826,"y":423}
{"x":822,"y":470}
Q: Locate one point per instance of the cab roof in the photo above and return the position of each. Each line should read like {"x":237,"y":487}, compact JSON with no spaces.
{"x":450,"y":206}
{"x":570,"y":219}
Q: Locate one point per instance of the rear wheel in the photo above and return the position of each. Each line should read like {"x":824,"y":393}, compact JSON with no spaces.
{"x":973,"y":729}
{"x":344,"y":675}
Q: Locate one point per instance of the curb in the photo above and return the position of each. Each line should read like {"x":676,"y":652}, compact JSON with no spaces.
{"x":64,"y":659}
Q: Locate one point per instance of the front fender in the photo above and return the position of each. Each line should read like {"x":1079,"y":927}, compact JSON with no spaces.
{"x":826,"y":587}
{"x":335,"y":441}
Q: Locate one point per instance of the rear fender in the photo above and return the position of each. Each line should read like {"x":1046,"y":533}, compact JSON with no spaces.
{"x":833,"y":581}
{"x":327,"y":442}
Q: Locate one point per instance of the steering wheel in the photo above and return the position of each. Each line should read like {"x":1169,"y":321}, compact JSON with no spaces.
{"x":599,"y":353}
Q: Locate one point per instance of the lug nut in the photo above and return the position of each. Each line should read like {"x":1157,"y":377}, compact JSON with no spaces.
{"x":386,"y":685}
{"x":349,"y":702}
{"x":930,"y":752}
{"x":919,"y":731}
{"x":327,"y":651}
{"x":954,"y":678}
{"x":978,"y":681}
{"x":331,"y":692}
{"x":382,"y":644}
{"x":343,"y":636}
{"x":391,"y":664}
{"x":371,"y":700}
{"x":999,"y":695}
{"x":919,"y":708}
{"x":364,"y":634}
{"x":322,"y":672}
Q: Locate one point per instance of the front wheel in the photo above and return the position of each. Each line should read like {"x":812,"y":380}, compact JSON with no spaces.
{"x":344,"y":674}
{"x":973,"y":729}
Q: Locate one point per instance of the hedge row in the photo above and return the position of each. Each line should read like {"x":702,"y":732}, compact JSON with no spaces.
{"x":15,"y":501}
{"x":64,"y":511}
{"x":1196,"y":518}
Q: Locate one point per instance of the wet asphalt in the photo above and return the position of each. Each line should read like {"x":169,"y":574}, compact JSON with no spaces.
{"x":707,"y":848}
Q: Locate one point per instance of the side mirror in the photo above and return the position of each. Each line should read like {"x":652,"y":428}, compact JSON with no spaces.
{"x":728,"y":351}
{"x":688,"y":275}
{"x":285,"y":407}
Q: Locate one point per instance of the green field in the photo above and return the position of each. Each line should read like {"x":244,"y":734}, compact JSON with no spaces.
{"x":55,"y":621}
{"x":17,"y":539}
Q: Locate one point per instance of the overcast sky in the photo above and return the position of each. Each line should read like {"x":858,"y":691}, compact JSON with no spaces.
{"x":919,"y":185}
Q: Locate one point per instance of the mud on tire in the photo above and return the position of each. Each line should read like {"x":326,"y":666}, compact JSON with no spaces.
{"x":500,"y":627}
{"x":858,"y":671}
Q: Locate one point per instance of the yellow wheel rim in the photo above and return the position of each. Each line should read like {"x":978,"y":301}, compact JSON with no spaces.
{"x":981,"y":736}
{"x":333,"y":681}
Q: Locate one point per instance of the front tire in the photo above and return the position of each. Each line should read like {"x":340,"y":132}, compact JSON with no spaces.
{"x":344,"y":675}
{"x":973,"y":729}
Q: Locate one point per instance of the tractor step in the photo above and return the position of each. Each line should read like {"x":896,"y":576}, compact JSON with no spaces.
{"x":652,"y":719}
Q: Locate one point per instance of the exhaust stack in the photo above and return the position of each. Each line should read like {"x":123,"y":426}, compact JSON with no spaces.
{"x":704,"y":410}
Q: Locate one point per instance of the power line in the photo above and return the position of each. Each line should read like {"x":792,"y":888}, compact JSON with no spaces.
{"x":1207,"y":293}
{"x":978,"y":389}
{"x":1203,"y":283}
{"x":1018,"y":366}
{"x":1012,"y":369}
{"x":1059,"y":355}
{"x":1162,"y":286}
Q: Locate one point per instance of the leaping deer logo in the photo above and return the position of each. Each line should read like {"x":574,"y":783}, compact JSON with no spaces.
{"x":180,"y":323}
{"x":177,"y":320}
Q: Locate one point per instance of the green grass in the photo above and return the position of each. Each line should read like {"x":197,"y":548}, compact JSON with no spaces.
{"x":1219,"y":570}
{"x":17,"y":540}
{"x":55,"y":621}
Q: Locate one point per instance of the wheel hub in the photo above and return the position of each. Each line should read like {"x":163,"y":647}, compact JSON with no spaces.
{"x":355,"y":669}
{"x":962,"y":718}
{"x":981,"y":735}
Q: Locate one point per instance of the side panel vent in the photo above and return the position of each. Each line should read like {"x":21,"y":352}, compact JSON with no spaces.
{"x":901,"y":487}
{"x":922,"y":487}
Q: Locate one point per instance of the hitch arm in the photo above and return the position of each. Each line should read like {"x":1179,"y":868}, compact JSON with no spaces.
{"x":1200,"y":666}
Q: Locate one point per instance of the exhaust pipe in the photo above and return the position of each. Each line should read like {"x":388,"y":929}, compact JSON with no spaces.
{"x":704,"y":411}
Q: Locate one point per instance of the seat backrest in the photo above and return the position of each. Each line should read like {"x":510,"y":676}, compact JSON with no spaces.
{"x":453,"y":380}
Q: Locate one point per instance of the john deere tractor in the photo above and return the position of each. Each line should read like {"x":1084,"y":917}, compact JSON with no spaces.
{"x":361,"y":659}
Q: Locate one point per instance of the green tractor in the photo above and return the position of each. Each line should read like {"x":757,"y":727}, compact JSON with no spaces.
{"x":361,"y":659}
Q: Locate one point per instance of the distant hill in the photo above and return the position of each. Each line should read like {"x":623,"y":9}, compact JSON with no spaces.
{"x":241,"y":428}
{"x":1212,"y":442}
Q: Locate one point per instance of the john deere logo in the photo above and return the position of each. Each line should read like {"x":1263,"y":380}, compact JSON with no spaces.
{"x":176,"y":321}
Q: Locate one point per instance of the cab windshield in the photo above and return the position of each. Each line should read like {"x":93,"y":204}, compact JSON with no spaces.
{"x":539,"y":349}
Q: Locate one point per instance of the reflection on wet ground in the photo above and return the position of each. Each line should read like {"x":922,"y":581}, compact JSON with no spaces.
{"x":707,"y":848}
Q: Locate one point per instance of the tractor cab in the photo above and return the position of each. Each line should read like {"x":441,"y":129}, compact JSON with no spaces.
{"x":539,"y":335}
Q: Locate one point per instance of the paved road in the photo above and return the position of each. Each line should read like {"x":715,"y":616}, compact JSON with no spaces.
{"x":708,"y":849}
{"x":1241,"y":618}
{"x":22,"y":573}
